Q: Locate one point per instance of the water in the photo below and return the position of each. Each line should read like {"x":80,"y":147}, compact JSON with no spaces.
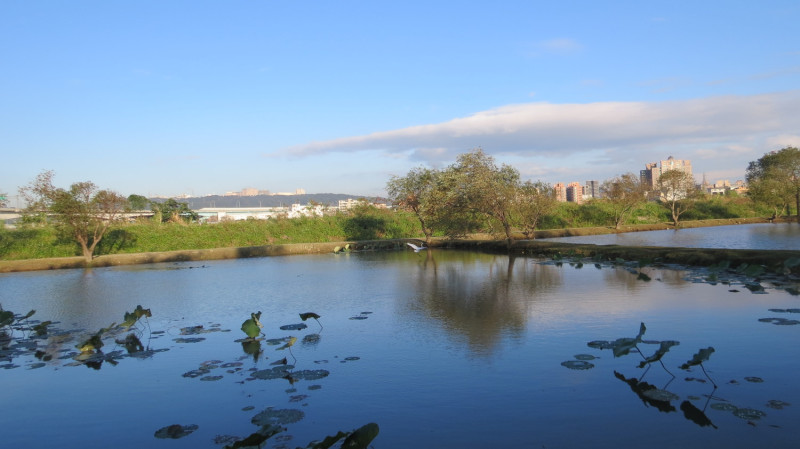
{"x":748,"y":236}
{"x":440,"y":349}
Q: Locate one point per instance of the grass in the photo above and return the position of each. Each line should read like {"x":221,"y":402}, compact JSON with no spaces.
{"x":364,"y":223}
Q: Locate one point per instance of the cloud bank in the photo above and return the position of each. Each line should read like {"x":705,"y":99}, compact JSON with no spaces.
{"x":706,"y":127}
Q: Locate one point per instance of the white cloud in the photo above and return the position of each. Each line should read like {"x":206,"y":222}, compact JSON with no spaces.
{"x":732,"y":128}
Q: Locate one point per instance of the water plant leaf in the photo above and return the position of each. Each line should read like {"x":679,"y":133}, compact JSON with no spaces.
{"x":584,"y":357}
{"x":623,"y":346}
{"x":94,"y":342}
{"x":175,"y":431}
{"x":577,"y":364}
{"x":662,"y":349}
{"x":131,"y":343}
{"x":41,"y":328}
{"x":695,"y":415}
{"x":658,"y":394}
{"x":252,"y":327}
{"x":271,"y":416}
{"x":643,"y":277}
{"x":749,"y":414}
{"x":697,"y":359}
{"x":6,"y":317}
{"x":256,"y":439}
{"x":362,"y":437}
{"x":289,"y":343}
{"x":777,"y":404}
{"x":132,"y":317}
{"x":307,"y":315}
{"x":327,"y":442}
{"x":293,"y":327}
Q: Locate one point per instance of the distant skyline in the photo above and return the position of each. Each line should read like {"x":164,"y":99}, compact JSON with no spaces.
{"x":201,"y":98}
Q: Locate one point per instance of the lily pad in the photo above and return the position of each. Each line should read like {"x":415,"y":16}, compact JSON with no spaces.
{"x":358,"y":317}
{"x":660,"y":395}
{"x":277,"y":416}
{"x":188,"y":340}
{"x":779,"y":321}
{"x":577,"y":364}
{"x":211,"y":378}
{"x":584,"y":357}
{"x":176,"y":431}
{"x":749,"y":414}
{"x":754,"y":379}
{"x":600,"y":344}
{"x":724,"y":407}
{"x":294,"y":327}
{"x":777,"y":404}
{"x":310,"y":374}
{"x":277,"y":372}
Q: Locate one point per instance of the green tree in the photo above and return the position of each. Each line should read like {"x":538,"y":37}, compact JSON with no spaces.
{"x":173,"y":211}
{"x":138,"y":202}
{"x":417,"y":192}
{"x":623,"y":194}
{"x":82,"y":212}
{"x":534,"y":201}
{"x":486,"y":189}
{"x":774,"y":179}
{"x":677,"y":191}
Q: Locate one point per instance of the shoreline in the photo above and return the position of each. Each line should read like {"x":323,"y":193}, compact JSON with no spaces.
{"x":684,"y":256}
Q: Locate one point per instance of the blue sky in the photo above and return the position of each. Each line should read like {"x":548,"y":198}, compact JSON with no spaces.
{"x":197,"y":97}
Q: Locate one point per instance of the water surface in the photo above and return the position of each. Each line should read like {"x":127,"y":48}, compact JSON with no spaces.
{"x":747,"y":236}
{"x":440,"y":349}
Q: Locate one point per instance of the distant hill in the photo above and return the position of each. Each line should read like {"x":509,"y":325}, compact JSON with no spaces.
{"x":330,"y":199}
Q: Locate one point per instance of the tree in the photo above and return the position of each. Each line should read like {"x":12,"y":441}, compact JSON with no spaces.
{"x":416,"y":192}
{"x":623,"y":193}
{"x":173,"y":211}
{"x":486,"y":189}
{"x":774,"y":179}
{"x":82,"y":212}
{"x":534,"y":201}
{"x":677,"y":191}
{"x":138,"y":202}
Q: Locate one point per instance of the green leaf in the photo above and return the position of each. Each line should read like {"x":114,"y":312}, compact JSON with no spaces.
{"x":307,"y":315}
{"x":252,"y":327}
{"x":623,"y":346}
{"x":132,"y":317}
{"x":361,"y":438}
{"x":6,"y":317}
{"x":701,"y":356}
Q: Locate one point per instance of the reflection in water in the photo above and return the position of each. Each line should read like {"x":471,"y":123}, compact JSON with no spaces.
{"x":477,"y":295}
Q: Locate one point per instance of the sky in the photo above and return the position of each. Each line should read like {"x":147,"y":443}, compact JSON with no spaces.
{"x":206,"y":97}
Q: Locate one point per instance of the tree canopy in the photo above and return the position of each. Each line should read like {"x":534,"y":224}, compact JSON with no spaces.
{"x":676,"y":190}
{"x":774,"y":179}
{"x":623,"y":193}
{"x":82,"y":212}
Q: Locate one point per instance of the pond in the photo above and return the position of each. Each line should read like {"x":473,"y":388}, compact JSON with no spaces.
{"x":747,"y":236}
{"x":439,"y":349}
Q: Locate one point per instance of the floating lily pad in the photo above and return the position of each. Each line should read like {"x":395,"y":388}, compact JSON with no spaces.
{"x":294,"y":327}
{"x":196,"y":373}
{"x":358,"y":317}
{"x":248,"y":408}
{"x":271,"y":416}
{"x":749,"y":413}
{"x":578,"y":364}
{"x":188,"y":340}
{"x":777,"y":404}
{"x":211,"y":378}
{"x":298,"y":398}
{"x":175,"y":431}
{"x":660,"y":395}
{"x":724,"y":406}
{"x":314,"y":387}
{"x":779,"y":321}
{"x":277,"y":372}
{"x":311,"y":339}
{"x":231,"y":364}
{"x":584,"y":357}
{"x":352,"y":358}
{"x":754,"y":379}
{"x":600,"y":344}
{"x":310,"y":374}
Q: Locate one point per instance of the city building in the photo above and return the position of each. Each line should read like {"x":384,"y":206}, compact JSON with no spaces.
{"x":654,"y":170}
{"x":561,"y":192}
{"x":575,"y":192}
{"x":591,"y":190}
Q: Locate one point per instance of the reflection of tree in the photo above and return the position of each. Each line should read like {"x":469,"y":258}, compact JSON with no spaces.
{"x":479,"y":296}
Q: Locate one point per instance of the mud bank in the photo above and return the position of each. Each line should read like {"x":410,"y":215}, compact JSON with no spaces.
{"x":682,"y":256}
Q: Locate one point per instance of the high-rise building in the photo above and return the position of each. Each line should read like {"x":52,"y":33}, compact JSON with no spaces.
{"x":591,"y":190}
{"x":654,"y":170}
{"x":561,"y":192}
{"x":575,"y":192}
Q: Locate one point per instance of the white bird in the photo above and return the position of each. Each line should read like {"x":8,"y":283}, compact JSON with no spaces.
{"x":415,"y":247}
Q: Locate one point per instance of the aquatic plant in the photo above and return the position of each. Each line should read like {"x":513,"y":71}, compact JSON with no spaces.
{"x":252,"y":327}
{"x":307,"y":315}
{"x":701,"y":356}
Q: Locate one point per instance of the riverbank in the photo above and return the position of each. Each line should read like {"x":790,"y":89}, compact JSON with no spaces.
{"x":685,"y":256}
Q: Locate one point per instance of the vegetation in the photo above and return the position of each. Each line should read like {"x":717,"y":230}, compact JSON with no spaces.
{"x":774,"y":179}
{"x":473,"y":195}
{"x":623,"y":194}
{"x":82,"y":212}
{"x":677,"y":191}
